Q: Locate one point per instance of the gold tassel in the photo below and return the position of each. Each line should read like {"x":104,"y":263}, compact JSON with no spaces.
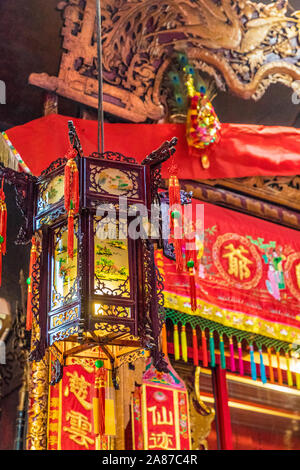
{"x":176,"y":343}
{"x":184,"y":344}
{"x":288,"y":371}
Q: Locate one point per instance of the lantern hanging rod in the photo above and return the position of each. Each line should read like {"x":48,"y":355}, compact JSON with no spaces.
{"x":100,"y":79}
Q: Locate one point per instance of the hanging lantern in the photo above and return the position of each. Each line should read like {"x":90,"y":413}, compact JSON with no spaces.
{"x":98,"y":284}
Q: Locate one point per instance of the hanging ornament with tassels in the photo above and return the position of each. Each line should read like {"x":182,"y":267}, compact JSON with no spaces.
{"x":71,"y":192}
{"x":33,"y":258}
{"x":99,"y":399}
{"x":203,"y":125}
{"x":3,"y":227}
{"x":175,"y":212}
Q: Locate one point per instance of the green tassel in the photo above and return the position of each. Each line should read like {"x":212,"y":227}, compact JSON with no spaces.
{"x":176,"y":344}
{"x":212,"y":350}
{"x":222,"y":353}
{"x":184,"y":344}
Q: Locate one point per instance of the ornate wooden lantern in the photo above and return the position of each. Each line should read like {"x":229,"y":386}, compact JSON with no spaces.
{"x":107,"y":291}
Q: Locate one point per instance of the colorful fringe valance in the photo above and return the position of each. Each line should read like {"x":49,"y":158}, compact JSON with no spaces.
{"x":210,"y":332}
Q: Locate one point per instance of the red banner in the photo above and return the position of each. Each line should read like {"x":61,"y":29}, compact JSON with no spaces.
{"x":70,"y":417}
{"x":248,"y":278}
{"x":160,"y":415}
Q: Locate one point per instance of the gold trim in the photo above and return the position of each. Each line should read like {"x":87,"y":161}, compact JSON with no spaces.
{"x":255,"y":409}
{"x":233,"y":319}
{"x":144,"y":416}
{"x":60,"y":415}
{"x":176,"y":419}
{"x":132,"y":421}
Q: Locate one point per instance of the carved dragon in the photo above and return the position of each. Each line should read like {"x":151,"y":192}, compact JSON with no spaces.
{"x":246,"y":45}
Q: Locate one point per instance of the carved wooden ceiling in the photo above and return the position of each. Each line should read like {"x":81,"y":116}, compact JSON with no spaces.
{"x":245,"y":46}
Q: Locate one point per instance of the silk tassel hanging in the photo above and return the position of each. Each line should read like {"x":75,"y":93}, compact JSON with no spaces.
{"x":298,"y":380}
{"x":222,"y":353}
{"x":241,"y":363}
{"x":176,"y":343}
{"x":175,"y":218}
{"x":262,"y":368}
{"x":212,"y":349}
{"x":204,"y":349}
{"x":184,"y":350}
{"x":279,"y":373}
{"x":71,"y":193}
{"x":99,"y":399}
{"x":3,"y":227}
{"x":195,"y":348}
{"x":193,"y":292}
{"x":110,"y":413}
{"x":252,"y":362}
{"x":288,"y":371}
{"x":164,"y":341}
{"x":33,"y":258}
{"x":271,"y":372}
{"x":232,"y":360}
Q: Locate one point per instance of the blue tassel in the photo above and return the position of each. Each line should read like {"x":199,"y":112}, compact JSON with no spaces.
{"x":253,"y":365}
{"x":222,"y":354}
{"x":212,"y":350}
{"x":262,"y":368}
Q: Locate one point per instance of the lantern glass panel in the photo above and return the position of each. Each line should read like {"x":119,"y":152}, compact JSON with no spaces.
{"x":111,"y":262}
{"x":119,"y":311}
{"x":51,"y":192}
{"x":64,"y":273}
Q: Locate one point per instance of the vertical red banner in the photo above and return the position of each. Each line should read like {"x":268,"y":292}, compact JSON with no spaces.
{"x":165,"y":418}
{"x":70,"y":413}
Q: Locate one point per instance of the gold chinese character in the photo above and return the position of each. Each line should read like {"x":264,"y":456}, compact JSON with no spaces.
{"x":53,"y":414}
{"x":52,"y":440}
{"x":161,"y":418}
{"x":238,"y":262}
{"x":298,"y":274}
{"x":161,"y":441}
{"x":53,"y":427}
{"x":79,"y":428}
{"x":79,"y":387}
{"x":54,"y":402}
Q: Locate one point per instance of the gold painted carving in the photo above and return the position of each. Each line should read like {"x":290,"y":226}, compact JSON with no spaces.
{"x":245,"y":46}
{"x":38,"y":405}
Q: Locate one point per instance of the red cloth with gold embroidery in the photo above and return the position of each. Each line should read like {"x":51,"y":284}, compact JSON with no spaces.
{"x":248,"y":278}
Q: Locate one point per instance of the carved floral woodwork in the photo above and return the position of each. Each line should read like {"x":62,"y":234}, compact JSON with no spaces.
{"x":245,"y":46}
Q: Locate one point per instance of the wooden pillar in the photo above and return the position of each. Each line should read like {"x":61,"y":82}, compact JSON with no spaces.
{"x":223,"y":420}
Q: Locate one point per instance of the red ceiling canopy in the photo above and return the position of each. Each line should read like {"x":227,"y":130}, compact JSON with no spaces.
{"x":244,"y":150}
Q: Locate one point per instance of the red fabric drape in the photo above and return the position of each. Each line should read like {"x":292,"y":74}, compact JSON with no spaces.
{"x":243,"y":150}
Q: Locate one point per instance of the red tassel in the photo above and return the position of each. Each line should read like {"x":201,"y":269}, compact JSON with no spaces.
{"x":33,"y":258}
{"x":195,"y":348}
{"x":71,"y":193}
{"x":71,"y":234}
{"x":99,"y":402}
{"x":204,"y":350}
{"x":0,"y":265}
{"x":67,"y":182}
{"x":193,"y":294}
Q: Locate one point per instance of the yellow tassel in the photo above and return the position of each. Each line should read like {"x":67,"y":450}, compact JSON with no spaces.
{"x":164,"y":342}
{"x":289,"y":373}
{"x":184,"y":344}
{"x":176,"y":344}
{"x":110,"y":418}
{"x":298,"y":380}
